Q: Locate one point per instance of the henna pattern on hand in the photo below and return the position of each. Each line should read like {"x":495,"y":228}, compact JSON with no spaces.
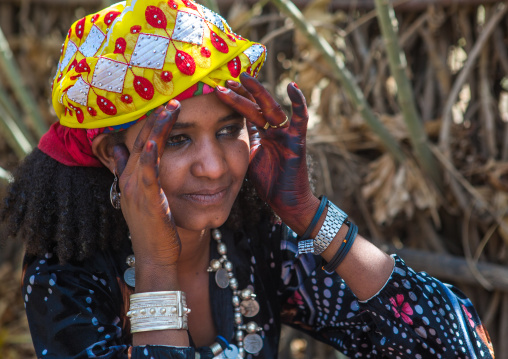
{"x":278,"y":165}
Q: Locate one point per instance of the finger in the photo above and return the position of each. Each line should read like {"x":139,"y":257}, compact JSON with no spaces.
{"x":300,"y":116}
{"x":149,"y":169}
{"x":142,"y":136}
{"x":120,"y":158}
{"x":164,"y":124}
{"x":242,"y":105}
{"x":240,"y":89}
{"x":272,"y":111}
{"x":254,"y":138}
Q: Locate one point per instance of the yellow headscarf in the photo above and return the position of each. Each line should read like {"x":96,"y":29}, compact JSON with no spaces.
{"x":118,"y":64}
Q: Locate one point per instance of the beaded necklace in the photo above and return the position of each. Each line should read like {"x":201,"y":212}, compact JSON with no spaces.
{"x":244,"y":305}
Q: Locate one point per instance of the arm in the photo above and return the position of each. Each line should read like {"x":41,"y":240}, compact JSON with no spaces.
{"x":155,"y":240}
{"x":412,"y":315}
{"x":74,"y":311}
{"x":279,"y":172}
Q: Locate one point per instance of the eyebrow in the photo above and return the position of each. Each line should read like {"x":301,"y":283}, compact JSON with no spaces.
{"x":185,"y":125}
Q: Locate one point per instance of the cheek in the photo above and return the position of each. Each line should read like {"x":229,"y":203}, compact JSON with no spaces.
{"x":241,"y":156}
{"x":172,"y":174}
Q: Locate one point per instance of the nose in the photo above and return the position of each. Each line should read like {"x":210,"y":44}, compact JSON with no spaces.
{"x":210,"y":160}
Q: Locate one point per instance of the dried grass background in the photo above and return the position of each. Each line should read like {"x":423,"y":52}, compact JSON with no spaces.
{"x":458,"y":233}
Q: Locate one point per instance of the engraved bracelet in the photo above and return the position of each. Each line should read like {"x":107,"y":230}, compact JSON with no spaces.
{"x":158,"y":311}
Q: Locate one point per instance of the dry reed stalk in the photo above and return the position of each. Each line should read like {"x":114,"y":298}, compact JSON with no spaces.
{"x":493,"y":308}
{"x":342,"y":73}
{"x":13,"y":134}
{"x":444,"y":136}
{"x":487,"y":115}
{"x":5,"y":176}
{"x":10,"y":70}
{"x":405,"y":96}
{"x":466,"y":229}
{"x":456,"y":176}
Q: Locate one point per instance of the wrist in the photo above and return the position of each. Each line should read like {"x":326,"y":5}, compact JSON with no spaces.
{"x":153,"y":277}
{"x":302,"y":214}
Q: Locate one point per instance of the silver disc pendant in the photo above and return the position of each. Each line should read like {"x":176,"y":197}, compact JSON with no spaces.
{"x":221,"y":278}
{"x":253,"y":343}
{"x":130,"y":277}
{"x":249,"y":308}
{"x":231,"y":352}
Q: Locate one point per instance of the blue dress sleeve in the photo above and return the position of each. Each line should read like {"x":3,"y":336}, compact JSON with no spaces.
{"x":414,"y":315}
{"x":75,"y":311}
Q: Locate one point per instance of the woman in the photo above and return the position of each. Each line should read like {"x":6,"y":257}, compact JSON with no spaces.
{"x":195,"y":264}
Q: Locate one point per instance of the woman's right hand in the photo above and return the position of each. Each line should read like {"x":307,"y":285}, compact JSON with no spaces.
{"x":144,"y":205}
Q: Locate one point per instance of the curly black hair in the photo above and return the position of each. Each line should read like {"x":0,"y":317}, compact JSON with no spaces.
{"x":66,"y":210}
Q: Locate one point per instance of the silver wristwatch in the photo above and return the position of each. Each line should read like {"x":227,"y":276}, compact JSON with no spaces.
{"x":335,"y":217}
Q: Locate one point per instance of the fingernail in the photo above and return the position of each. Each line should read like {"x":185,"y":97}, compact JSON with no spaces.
{"x":245,"y":74}
{"x":295,"y":85}
{"x":222,"y":89}
{"x":232,"y":84}
{"x":172,"y":105}
{"x":149,"y":146}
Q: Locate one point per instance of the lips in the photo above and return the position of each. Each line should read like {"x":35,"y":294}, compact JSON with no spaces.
{"x":206,"y":196}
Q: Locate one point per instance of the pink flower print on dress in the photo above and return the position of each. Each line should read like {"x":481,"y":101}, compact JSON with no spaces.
{"x":401,"y":308}
{"x":296,"y":299}
{"x":469,"y":316}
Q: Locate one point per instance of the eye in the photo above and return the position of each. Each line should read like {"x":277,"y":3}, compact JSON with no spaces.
{"x":177,"y":140}
{"x":230,"y":130}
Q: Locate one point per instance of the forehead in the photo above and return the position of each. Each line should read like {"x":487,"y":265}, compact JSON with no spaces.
{"x":204,"y":107}
{"x":200,"y":110}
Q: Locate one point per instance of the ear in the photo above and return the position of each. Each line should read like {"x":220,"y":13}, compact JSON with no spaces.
{"x":103,"y":150}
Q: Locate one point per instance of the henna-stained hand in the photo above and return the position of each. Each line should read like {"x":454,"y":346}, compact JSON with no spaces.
{"x":145,"y":207}
{"x":278,"y":165}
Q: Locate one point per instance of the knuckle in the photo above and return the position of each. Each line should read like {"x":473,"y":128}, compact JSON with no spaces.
{"x":138,"y":145}
{"x":128,"y":190}
{"x":147,"y":179}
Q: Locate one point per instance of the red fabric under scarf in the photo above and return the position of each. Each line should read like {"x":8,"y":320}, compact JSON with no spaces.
{"x":73,"y":146}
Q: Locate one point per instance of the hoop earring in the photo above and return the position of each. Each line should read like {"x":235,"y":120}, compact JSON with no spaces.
{"x":114,"y":193}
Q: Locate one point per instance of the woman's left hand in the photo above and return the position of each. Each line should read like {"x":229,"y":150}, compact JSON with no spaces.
{"x":278,"y":166}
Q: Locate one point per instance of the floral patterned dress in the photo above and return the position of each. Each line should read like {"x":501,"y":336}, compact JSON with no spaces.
{"x":77,"y":309}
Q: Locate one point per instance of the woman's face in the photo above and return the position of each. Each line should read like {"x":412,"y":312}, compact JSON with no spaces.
{"x":204,"y":162}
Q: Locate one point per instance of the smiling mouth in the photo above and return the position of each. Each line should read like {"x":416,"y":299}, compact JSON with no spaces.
{"x":208,"y":197}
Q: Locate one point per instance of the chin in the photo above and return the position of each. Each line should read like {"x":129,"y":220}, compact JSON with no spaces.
{"x":200,"y":222}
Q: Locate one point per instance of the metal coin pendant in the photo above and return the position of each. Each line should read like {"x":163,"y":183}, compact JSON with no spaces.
{"x":231,"y":352}
{"x":253,"y":343}
{"x":130,"y":277}
{"x":249,"y":308}
{"x":221,"y":278}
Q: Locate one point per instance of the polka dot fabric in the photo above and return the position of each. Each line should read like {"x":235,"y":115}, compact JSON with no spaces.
{"x":413,"y":316}
{"x":77,"y":310}
{"x":133,"y":56}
